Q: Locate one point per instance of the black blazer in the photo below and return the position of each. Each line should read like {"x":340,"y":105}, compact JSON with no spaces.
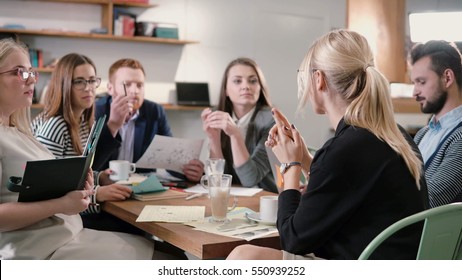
{"x":358,"y":186}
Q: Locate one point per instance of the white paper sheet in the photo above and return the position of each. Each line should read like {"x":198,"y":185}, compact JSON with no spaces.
{"x":172,"y":214}
{"x":237,"y":227}
{"x":237,"y":191}
{"x":170,"y":153}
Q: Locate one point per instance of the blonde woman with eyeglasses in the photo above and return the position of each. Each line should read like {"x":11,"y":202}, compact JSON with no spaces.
{"x":48,"y":229}
{"x":365,"y":178}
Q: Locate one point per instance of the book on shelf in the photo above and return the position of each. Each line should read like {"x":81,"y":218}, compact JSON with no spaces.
{"x":35,"y":97}
{"x":33,"y":58}
{"x":36,"y":57}
{"x":124,"y":23}
{"x":166,"y":30}
{"x":128,"y":26}
{"x":40,"y":58}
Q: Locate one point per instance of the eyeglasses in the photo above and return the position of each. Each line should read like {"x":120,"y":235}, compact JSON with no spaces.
{"x":23,"y":74}
{"x":81,"y":84}
{"x":302,"y":79}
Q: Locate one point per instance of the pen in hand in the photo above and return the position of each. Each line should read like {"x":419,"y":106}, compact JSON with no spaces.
{"x":125,"y":88}
{"x":125,"y":91}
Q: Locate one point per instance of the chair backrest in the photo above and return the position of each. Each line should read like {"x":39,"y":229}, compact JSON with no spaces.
{"x":441,"y":234}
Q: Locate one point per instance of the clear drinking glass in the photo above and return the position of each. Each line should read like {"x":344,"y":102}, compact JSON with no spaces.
{"x":214,"y":166}
{"x":219,"y":186}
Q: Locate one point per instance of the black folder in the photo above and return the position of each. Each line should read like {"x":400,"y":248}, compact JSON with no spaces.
{"x":53,"y":178}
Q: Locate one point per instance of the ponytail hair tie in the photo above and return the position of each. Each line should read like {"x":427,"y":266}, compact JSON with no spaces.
{"x":367,"y":66}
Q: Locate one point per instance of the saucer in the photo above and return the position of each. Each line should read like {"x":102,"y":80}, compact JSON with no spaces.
{"x":256,"y":218}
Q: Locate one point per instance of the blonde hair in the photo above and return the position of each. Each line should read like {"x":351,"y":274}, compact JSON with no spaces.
{"x":346,"y":60}
{"x":19,"y":118}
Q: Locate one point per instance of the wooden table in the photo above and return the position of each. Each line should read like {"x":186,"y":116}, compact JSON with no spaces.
{"x":198,"y":243}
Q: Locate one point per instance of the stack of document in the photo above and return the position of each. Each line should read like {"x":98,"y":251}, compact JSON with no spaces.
{"x":238,"y":226}
{"x":149,"y":188}
{"x":166,"y":194}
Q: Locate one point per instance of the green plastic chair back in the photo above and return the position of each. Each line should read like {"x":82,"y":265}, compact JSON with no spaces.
{"x":441,"y":234}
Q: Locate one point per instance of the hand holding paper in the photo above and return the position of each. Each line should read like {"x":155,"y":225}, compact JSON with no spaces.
{"x":170,"y":153}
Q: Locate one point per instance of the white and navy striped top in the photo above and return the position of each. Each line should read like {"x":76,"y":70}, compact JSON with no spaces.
{"x":444,"y":173}
{"x":55,"y":135}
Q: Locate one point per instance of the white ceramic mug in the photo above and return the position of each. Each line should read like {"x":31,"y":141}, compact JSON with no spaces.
{"x":219,"y":186}
{"x":214,"y":166}
{"x":121,"y":169}
{"x":269,"y":208}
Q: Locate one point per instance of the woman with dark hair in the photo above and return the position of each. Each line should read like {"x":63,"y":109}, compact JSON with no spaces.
{"x":237,"y":130}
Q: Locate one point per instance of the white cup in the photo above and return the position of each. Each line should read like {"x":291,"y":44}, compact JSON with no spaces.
{"x":269,"y":208}
{"x":121,"y":169}
{"x":219,"y":186}
{"x":214,"y":166}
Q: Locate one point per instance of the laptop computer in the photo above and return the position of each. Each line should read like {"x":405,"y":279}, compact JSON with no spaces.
{"x":53,"y":178}
{"x":192,"y":94}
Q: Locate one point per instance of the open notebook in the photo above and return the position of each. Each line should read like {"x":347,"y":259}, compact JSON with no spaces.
{"x":53,"y":178}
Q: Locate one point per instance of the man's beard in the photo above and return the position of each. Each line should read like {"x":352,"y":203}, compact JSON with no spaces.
{"x":435,"y":106}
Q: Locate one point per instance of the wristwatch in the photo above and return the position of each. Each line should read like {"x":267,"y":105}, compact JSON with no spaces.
{"x":284,"y":166}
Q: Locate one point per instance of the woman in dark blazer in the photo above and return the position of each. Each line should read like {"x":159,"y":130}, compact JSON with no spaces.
{"x":365,"y":178}
{"x":238,"y":129}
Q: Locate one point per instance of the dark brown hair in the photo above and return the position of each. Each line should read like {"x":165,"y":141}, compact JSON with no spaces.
{"x":226,"y":105}
{"x":58,"y":100}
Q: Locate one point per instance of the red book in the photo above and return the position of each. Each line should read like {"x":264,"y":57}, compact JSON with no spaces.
{"x":40,"y":58}
{"x":128,"y":26}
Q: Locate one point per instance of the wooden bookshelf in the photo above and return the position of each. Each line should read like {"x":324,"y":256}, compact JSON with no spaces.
{"x":103,"y":2}
{"x":44,"y":69}
{"x":406,"y":106}
{"x":37,"y":106}
{"x":107,"y":12}
{"x":57,"y":33}
{"x":166,"y":106}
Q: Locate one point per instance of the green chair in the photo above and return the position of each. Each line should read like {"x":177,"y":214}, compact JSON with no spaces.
{"x":441,"y":234}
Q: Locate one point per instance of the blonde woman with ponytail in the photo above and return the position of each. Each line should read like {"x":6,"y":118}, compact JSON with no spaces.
{"x":365,"y":178}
